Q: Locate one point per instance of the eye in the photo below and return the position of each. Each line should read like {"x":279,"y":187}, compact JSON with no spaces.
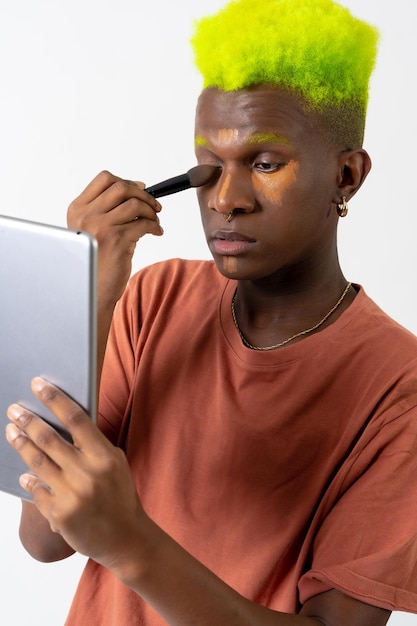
{"x":266,"y":167}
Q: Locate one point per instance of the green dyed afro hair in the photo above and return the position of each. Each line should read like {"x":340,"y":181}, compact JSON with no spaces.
{"x":315,"y":47}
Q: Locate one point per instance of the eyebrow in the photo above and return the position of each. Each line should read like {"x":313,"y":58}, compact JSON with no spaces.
{"x":257,"y":138}
{"x":267,"y":138}
{"x":201,"y":141}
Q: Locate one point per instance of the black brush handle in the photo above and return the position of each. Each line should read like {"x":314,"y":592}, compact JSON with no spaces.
{"x":171,"y":185}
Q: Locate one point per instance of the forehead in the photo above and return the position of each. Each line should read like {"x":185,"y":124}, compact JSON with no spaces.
{"x":252,"y":112}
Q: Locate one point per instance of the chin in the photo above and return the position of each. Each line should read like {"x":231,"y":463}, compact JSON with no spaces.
{"x":230,"y":267}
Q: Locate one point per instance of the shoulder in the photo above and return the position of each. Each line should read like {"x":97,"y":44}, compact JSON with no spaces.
{"x":382,"y":358}
{"x":367,"y":321}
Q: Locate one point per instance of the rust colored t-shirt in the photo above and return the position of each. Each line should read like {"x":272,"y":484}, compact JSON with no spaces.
{"x":287,"y":472}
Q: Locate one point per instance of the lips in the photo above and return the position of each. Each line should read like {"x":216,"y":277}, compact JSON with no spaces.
{"x":231,"y":243}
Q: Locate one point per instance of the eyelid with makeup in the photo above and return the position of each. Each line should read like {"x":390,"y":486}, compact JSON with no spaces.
{"x":264,"y":162}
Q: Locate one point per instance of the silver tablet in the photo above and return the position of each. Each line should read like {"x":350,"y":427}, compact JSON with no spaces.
{"x":47,"y":323}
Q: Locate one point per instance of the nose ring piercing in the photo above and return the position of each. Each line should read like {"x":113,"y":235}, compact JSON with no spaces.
{"x":228,"y":217}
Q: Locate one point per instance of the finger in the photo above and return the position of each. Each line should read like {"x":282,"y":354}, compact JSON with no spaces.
{"x":97,"y":186}
{"x":125,"y":225}
{"x":36,"y":487}
{"x":33,"y":428}
{"x":39,"y":490}
{"x":146,"y":227}
{"x":130,"y":210}
{"x":85,"y":434}
{"x":103,"y":194}
{"x":37,"y":460}
{"x":121,"y":191}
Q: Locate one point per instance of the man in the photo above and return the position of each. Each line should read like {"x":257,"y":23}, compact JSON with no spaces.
{"x":257,"y":461}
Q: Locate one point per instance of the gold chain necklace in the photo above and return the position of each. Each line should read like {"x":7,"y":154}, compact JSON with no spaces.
{"x":303,"y":332}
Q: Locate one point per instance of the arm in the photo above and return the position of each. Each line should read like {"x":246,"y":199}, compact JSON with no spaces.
{"x":85,"y":482}
{"x":117,"y":213}
{"x":38,"y":539}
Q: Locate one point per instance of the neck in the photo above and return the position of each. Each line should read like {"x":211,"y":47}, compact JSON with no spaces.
{"x":268,"y":314}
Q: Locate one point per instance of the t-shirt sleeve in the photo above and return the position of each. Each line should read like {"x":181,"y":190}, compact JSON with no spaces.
{"x":132,"y":325}
{"x":119,"y":365}
{"x":366,"y":546}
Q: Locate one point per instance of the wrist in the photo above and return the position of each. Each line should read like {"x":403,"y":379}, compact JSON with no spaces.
{"x":132,"y":563}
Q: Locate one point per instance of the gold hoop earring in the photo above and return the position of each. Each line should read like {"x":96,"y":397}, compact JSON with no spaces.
{"x":342,"y":208}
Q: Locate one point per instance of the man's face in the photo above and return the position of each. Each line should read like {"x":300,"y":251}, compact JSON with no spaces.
{"x":277,"y":175}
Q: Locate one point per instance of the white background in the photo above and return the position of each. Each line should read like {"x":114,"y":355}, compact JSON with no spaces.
{"x":87,"y":85}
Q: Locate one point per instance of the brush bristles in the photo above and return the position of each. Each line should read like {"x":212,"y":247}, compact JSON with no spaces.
{"x":201,"y":174}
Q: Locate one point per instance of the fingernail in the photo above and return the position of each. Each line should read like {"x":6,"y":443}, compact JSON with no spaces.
{"x":13,"y":432}
{"x":18,"y":414}
{"x":38,"y":383}
{"x":15,"y":411}
{"x":25,"y":481}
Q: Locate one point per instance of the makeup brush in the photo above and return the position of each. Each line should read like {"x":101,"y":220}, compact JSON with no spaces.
{"x":195,"y":177}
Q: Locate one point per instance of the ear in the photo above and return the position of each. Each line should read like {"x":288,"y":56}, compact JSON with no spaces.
{"x":353,"y":168}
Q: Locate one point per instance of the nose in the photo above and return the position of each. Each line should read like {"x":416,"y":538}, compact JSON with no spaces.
{"x":232,"y":193}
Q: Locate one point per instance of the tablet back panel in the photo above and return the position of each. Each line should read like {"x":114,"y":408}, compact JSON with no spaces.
{"x":47,"y":323}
